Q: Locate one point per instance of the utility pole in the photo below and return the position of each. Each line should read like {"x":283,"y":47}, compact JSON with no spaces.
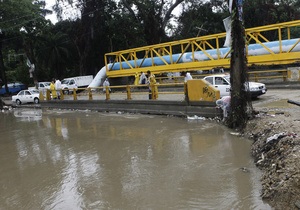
{"x":241,"y":104}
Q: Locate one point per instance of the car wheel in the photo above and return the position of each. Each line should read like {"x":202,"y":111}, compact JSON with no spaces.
{"x":18,"y":102}
{"x":66,"y":91}
{"x":36,"y":100}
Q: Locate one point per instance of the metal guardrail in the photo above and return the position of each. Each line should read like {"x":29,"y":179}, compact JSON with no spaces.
{"x":253,"y":76}
{"x":127,"y":90}
{"x":166,"y":85}
{"x":269,"y":74}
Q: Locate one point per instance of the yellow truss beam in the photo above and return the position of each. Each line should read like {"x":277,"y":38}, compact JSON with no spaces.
{"x":255,"y":35}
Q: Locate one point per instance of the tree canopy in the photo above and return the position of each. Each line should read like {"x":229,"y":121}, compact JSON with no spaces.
{"x":19,"y":19}
{"x":76,"y":46}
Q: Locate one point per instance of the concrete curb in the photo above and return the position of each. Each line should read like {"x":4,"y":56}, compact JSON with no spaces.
{"x":175,"y":108}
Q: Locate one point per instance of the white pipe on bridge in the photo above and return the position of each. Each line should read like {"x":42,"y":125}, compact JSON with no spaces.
{"x":253,"y":50}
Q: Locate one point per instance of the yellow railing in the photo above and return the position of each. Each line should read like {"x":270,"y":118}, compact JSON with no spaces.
{"x":253,"y":76}
{"x":167,"y":85}
{"x":268,"y":74}
{"x":126,"y":92}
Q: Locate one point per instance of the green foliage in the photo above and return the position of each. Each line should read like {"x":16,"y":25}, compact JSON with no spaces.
{"x":259,"y":13}
{"x":17,"y":18}
{"x":77,"y":46}
{"x":210,"y":15}
{"x":201,"y":19}
{"x":21,"y":74}
{"x":53,"y":52}
{"x":153,"y":16}
{"x":18,"y":73}
{"x":17,"y":15}
{"x":124,"y":33}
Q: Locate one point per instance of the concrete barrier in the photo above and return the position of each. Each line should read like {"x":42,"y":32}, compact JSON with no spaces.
{"x":201,"y":90}
{"x":175,"y":108}
{"x":293,"y":74}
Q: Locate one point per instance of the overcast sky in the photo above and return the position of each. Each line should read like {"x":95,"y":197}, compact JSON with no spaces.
{"x":49,"y":4}
{"x":68,"y":11}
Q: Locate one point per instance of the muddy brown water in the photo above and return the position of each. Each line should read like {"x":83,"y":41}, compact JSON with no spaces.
{"x":89,"y":160}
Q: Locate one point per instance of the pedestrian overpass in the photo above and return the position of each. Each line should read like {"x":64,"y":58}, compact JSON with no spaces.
{"x":207,"y":52}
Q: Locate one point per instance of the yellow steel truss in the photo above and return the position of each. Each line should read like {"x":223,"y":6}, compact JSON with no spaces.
{"x":255,"y":35}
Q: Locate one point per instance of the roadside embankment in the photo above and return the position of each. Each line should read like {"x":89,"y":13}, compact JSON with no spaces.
{"x":276,"y":147}
{"x":276,"y":151}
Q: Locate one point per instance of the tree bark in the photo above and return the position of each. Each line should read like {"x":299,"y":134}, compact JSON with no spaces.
{"x":2,"y":68}
{"x":240,"y":97}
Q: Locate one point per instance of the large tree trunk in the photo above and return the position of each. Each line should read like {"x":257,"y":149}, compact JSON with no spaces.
{"x":2,"y":68}
{"x":240,"y":98}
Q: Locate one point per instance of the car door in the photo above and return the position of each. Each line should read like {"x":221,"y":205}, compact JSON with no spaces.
{"x":27,"y":97}
{"x":222,"y":85}
{"x":72,"y":84}
{"x":20,"y":96}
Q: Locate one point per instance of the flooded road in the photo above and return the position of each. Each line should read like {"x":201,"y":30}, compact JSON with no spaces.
{"x":89,"y":160}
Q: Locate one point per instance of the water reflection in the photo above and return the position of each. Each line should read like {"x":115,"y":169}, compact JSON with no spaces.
{"x":28,"y":114}
{"x":90,"y":160}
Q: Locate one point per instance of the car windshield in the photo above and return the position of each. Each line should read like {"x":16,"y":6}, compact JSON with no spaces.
{"x":21,"y":92}
{"x":227,"y":77}
{"x":65,"y":82}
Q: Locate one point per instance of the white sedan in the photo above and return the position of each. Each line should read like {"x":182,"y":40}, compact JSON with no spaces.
{"x":222,"y":82}
{"x":27,"y":96}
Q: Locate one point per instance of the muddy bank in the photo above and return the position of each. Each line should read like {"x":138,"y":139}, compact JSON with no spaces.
{"x":276,"y":149}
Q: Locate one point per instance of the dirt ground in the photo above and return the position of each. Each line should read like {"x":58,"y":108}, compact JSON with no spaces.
{"x":275,"y":132}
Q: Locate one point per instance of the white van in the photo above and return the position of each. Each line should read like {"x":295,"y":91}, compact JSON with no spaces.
{"x":42,"y":86}
{"x":68,"y":84}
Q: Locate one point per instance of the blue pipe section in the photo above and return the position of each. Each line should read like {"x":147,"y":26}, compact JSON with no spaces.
{"x":253,"y":50}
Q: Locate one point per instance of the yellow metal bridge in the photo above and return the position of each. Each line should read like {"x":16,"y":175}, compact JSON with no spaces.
{"x":207,"y":52}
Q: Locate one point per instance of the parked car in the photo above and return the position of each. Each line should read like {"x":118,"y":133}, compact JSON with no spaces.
{"x":42,"y":86}
{"x":68,"y":84}
{"x":26,"y":96}
{"x":222,"y":82}
{"x":13,"y":88}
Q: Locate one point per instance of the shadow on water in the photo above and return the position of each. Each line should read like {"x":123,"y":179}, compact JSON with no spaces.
{"x":54,"y":159}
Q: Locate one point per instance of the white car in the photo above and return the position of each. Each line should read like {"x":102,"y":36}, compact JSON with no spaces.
{"x":44,"y":85}
{"x":26,"y":96}
{"x":222,"y":82}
